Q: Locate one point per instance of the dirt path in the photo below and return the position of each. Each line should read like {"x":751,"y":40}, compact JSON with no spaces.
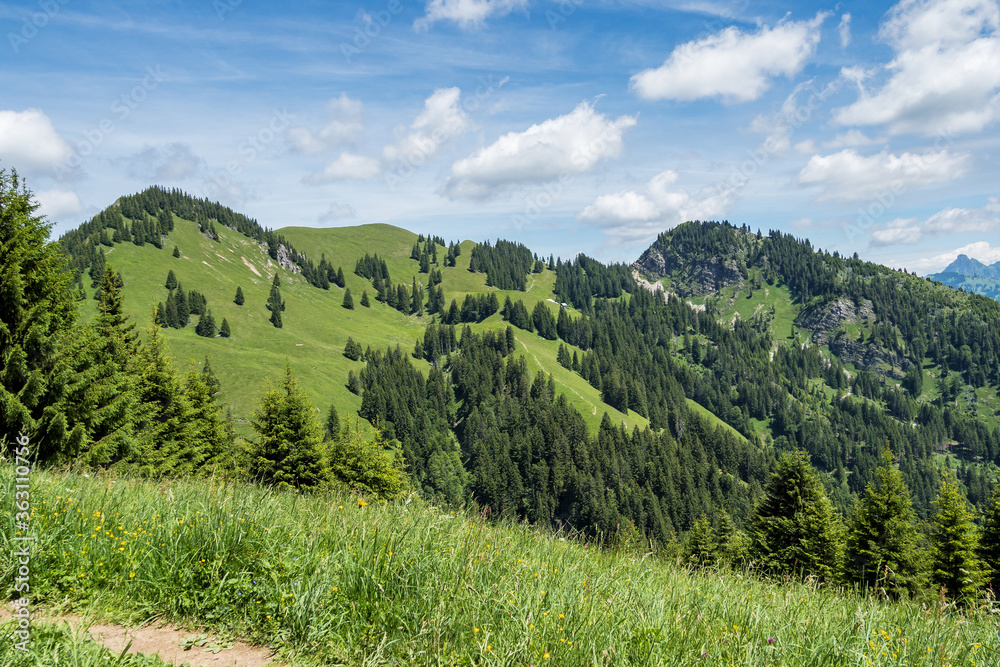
{"x":166,"y":640}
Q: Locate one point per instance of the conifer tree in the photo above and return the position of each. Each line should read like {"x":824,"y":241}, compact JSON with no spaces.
{"x":171,"y":280}
{"x":364,"y":299}
{"x":954,"y":542}
{"x":224,"y":329}
{"x":97,"y":268}
{"x":363,"y":464}
{"x":161,"y":315}
{"x":206,"y":325}
{"x":288,"y":452}
{"x":170,"y":312}
{"x":703,"y":547}
{"x":183,"y":308}
{"x":239,"y":300}
{"x":881,"y":548}
{"x":795,"y":529}
{"x":348,"y":300}
{"x":332,"y":424}
{"x":989,"y":540}
{"x":340,"y":282}
{"x":37,"y":313}
{"x":177,"y":251}
{"x":275,"y":303}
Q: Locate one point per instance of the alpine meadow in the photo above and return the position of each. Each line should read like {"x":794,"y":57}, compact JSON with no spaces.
{"x":500,"y":333}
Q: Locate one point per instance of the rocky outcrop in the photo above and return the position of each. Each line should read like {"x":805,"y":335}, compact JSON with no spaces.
{"x":826,"y":322}
{"x":689,"y":276}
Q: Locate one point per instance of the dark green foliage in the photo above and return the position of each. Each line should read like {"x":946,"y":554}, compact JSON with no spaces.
{"x":954,"y":539}
{"x":372,"y":268}
{"x":239,"y":300}
{"x":275,"y":303}
{"x":37,"y":311}
{"x":183,"y":307}
{"x":505,"y":264}
{"x":177,"y":251}
{"x":702,"y":546}
{"x":206,"y":325}
{"x":353,"y":383}
{"x":288,"y":451}
{"x":795,"y":529}
{"x":348,"y":300}
{"x":363,"y":464}
{"x":364,"y":299}
{"x":989,"y":540}
{"x":160,"y":318}
{"x":170,"y":317}
{"x":562,"y":357}
{"x":881,"y":550}
{"x":171,"y":280}
{"x":332,"y":424}
{"x":914,"y":380}
{"x":224,"y":328}
{"x":545,"y":323}
{"x":352,"y":349}
{"x":97,"y":269}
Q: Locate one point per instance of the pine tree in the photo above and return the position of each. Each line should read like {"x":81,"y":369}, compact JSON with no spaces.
{"x":348,"y":300}
{"x":954,"y":544}
{"x":168,"y":421}
{"x":989,"y":540}
{"x":275,"y":303}
{"x":340,"y":282}
{"x":224,"y":329}
{"x":206,"y":325}
{"x":170,"y":312}
{"x":177,"y":251}
{"x":183,"y":308}
{"x":882,"y":539}
{"x":288,"y":452}
{"x":96,"y":267}
{"x":239,"y":300}
{"x":703,"y":547}
{"x":161,"y":315}
{"x":171,"y":280}
{"x":37,"y":342}
{"x":332,"y":423}
{"x":363,"y":464}
{"x":364,"y":299}
{"x":795,"y":529}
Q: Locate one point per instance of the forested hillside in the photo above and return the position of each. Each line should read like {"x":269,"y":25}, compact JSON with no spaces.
{"x":671,"y":401}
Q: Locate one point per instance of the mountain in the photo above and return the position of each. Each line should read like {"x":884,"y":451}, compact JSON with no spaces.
{"x":661,"y":391}
{"x":971,"y":275}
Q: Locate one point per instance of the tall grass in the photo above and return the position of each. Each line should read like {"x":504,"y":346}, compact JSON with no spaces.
{"x":331,"y":580}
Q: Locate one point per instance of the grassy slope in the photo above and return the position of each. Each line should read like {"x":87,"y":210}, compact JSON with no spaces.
{"x":316,"y":326}
{"x":328,"y":581}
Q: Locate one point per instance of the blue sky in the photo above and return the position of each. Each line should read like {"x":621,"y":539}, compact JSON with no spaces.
{"x":581,"y":125}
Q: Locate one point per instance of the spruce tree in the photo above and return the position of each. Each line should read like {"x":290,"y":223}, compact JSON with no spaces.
{"x":364,"y":299}
{"x":275,"y":303}
{"x":161,"y":315}
{"x":183,"y":308}
{"x":170,"y":312}
{"x":954,"y":542}
{"x":239,"y":300}
{"x":177,"y":251}
{"x":224,"y":328}
{"x":348,"y":300}
{"x":288,"y":452}
{"x":37,"y":313}
{"x":882,"y":539}
{"x":171,"y":280}
{"x":332,"y":423}
{"x":989,"y":540}
{"x":702,"y":547}
{"x":97,"y":268}
{"x":363,"y":464}
{"x":206,"y":325}
{"x":795,"y":529}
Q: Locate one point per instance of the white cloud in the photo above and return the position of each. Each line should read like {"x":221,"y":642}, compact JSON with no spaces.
{"x":948,"y":221}
{"x":981,"y":250}
{"x":170,"y":162}
{"x":441,"y":121}
{"x":845,"y":30}
{"x":630,"y":215}
{"x":733,"y":65}
{"x":466,"y":13}
{"x":570,"y":144}
{"x":850,"y":138}
{"x":29,"y":141}
{"x":337,"y":212}
{"x":55,"y":204}
{"x":945,"y":76}
{"x":847,"y":176}
{"x":778,"y":127}
{"x":345,"y":128}
{"x":348,"y":166}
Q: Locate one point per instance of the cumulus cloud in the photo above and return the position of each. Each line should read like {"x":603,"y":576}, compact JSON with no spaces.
{"x":732,"y":64}
{"x":945,"y":76}
{"x":344,"y":128}
{"x":948,"y":221}
{"x":348,"y":166}
{"x":29,"y":141}
{"x":337,"y":212}
{"x":441,"y":121}
{"x":847,"y":176}
{"x":845,"y":30}
{"x":466,"y":13}
{"x":981,"y":250}
{"x":632,"y":215}
{"x":55,"y":204}
{"x":169,"y":162}
{"x":562,"y":146}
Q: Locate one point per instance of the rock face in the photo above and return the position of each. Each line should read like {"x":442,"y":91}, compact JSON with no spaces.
{"x":825,"y":323}
{"x":284,"y":258}
{"x":690,"y":276}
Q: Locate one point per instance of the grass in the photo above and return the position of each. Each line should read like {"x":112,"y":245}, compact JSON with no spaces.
{"x":316,"y":326}
{"x":329,"y":580}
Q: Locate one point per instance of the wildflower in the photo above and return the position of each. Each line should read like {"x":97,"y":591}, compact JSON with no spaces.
{"x":770,"y":640}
